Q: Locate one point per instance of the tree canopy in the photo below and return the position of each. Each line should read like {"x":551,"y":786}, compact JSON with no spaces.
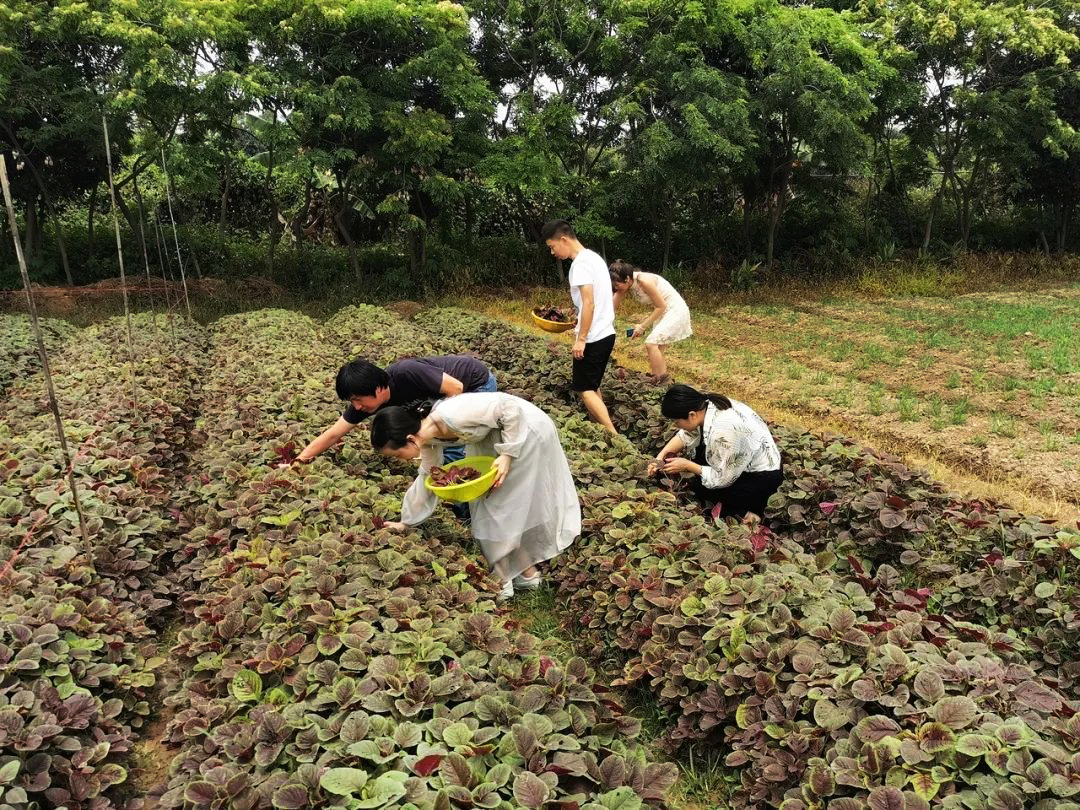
{"x":669,"y":132}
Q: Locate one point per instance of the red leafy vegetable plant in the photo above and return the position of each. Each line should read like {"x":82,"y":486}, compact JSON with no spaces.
{"x":556,"y":314}
{"x":286,"y":454}
{"x":450,"y":476}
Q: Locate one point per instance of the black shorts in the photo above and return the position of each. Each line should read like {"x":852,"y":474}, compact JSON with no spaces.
{"x":589,"y":370}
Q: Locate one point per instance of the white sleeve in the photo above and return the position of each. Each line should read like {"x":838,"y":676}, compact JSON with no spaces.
{"x":511,"y":424}
{"x":419,"y":502}
{"x":689,"y":440}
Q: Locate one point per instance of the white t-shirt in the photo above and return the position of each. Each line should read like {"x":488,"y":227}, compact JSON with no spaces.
{"x":589,"y":268}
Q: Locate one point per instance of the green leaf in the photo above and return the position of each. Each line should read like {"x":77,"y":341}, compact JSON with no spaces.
{"x":924,"y":785}
{"x":246,"y":686}
{"x":691,"y":606}
{"x":622,"y":798}
{"x":9,"y":771}
{"x":974,"y":745}
{"x":387,"y":788}
{"x":343,"y":781}
{"x":1044,"y":590}
{"x":457,"y":734}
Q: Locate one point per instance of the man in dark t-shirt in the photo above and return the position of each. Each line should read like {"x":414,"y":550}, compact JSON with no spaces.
{"x":367,"y":388}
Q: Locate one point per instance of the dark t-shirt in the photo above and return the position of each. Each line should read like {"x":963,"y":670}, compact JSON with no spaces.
{"x":421,"y":378}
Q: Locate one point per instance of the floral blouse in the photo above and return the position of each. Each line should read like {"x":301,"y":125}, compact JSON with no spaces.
{"x":737,"y":440}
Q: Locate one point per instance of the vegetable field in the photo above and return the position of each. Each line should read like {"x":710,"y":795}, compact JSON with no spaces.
{"x":873,"y":642}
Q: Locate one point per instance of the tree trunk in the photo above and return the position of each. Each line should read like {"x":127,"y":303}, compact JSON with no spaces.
{"x":774,"y":223}
{"x":930,"y":217}
{"x":469,"y":221}
{"x":667,"y":244}
{"x":29,"y":239}
{"x":49,"y":208}
{"x":273,"y":204}
{"x":224,"y":203}
{"x":298,"y":221}
{"x":354,"y":260}
{"x":417,"y":253}
{"x":747,"y":244}
{"x":90,"y":220}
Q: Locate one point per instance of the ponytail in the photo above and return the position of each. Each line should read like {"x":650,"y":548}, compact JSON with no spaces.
{"x":680,"y":400}
{"x":420,"y":408}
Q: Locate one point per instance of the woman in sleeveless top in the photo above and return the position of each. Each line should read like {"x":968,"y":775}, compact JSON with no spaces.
{"x":670,"y":317}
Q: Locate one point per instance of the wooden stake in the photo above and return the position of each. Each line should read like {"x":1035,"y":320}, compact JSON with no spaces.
{"x":180,"y":261}
{"x":120,"y":256}
{"x":46,"y":368}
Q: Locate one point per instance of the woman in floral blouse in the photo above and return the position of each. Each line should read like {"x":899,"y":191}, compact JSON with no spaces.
{"x":736,"y":465}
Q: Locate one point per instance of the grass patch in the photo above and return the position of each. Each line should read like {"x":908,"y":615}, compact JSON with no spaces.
{"x":958,"y":414}
{"x":704,"y":782}
{"x":908,"y":405}
{"x":1003,"y":426}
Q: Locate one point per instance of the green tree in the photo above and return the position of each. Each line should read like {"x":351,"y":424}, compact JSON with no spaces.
{"x":959,"y":52}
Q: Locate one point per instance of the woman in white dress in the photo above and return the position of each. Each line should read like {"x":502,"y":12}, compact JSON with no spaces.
{"x":531,"y":513}
{"x":670,"y":314}
{"x":735,"y":464}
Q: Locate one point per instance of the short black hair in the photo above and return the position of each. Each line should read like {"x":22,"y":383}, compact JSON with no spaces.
{"x":555,"y":228}
{"x":360,"y":379}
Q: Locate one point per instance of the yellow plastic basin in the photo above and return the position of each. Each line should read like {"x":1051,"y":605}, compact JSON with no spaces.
{"x":470,"y":490}
{"x":551,"y":326}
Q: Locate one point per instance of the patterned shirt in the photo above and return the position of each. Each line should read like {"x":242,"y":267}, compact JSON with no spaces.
{"x":737,"y":440}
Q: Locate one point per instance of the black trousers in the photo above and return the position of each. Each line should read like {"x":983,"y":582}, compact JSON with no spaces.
{"x":748,"y":493}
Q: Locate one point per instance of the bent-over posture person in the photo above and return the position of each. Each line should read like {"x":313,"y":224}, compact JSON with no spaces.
{"x":368,"y":388}
{"x":736,"y":463}
{"x":530,"y":515}
{"x":670,"y":314}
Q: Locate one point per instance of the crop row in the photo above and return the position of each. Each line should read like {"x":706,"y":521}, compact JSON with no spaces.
{"x":79,"y":615}
{"x":828,"y":676}
{"x":19,"y":357}
{"x":333,"y":663}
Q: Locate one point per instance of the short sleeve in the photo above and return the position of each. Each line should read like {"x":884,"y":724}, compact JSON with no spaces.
{"x":414,"y":379}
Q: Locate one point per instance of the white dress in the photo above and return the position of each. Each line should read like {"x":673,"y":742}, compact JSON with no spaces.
{"x":674,"y":324}
{"x":535,"y":514}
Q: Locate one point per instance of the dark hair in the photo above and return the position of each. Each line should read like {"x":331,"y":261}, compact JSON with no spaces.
{"x":360,"y":379}
{"x":555,"y":228}
{"x":621,"y":271}
{"x":680,"y":399}
{"x":391,"y":427}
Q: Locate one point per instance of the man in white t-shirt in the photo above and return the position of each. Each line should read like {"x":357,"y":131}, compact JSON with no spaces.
{"x":590,"y":287}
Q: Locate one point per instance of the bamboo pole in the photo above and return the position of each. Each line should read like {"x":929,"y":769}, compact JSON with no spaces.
{"x":146,"y":256}
{"x":163,"y":263}
{"x":46,"y":368}
{"x":176,"y":238}
{"x":120,"y":257}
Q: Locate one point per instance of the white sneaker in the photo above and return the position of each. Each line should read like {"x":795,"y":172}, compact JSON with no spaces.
{"x":507,"y":592}
{"x":527,"y":583}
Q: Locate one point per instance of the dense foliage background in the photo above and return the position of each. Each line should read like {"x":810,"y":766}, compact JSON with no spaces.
{"x":322,"y":141}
